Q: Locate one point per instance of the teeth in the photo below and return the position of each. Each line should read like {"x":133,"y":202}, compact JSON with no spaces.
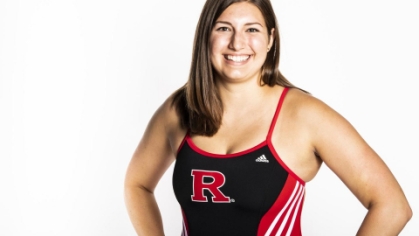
{"x":237,"y":58}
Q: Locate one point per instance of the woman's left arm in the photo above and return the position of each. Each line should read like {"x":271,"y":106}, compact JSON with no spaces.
{"x":346,"y":153}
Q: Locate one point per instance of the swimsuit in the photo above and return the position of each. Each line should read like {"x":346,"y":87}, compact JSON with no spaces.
{"x":251,"y":192}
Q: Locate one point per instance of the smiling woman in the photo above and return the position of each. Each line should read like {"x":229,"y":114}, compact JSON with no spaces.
{"x":239,"y":43}
{"x":246,"y":141}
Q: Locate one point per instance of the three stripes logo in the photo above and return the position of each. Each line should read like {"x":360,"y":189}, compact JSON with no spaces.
{"x":262,"y":159}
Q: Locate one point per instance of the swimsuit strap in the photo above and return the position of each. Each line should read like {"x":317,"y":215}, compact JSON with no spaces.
{"x":278,"y":109}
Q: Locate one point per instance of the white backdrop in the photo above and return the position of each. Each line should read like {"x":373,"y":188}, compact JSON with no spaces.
{"x":79,"y":80}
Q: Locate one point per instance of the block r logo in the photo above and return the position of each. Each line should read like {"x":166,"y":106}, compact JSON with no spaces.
{"x":214,"y":187}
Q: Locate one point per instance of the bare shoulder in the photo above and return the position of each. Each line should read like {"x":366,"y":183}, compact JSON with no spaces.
{"x":319,"y":121}
{"x":168,"y":115}
{"x":305,"y":102}
{"x":307,"y":108}
{"x":297,"y":134}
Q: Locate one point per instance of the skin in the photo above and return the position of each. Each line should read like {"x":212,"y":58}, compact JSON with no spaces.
{"x":240,"y":31}
{"x":307,"y":133}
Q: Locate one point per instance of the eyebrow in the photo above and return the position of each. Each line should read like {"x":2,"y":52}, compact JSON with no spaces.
{"x":228,"y":23}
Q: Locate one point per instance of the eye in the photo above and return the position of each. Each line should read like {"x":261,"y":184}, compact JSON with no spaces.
{"x":253,"y":30}
{"x":223,"y":28}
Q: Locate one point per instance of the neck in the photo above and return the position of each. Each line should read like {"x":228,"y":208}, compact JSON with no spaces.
{"x":241,"y":95}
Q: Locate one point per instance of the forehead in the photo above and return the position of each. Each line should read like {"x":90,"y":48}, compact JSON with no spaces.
{"x":242,"y":12}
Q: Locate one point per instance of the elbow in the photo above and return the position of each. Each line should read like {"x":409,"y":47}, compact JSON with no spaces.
{"x":398,"y":212}
{"x":404,"y":213}
{"x":409,"y":213}
{"x":404,"y":216}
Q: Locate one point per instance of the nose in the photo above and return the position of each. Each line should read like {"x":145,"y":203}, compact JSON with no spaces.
{"x":238,"y":41}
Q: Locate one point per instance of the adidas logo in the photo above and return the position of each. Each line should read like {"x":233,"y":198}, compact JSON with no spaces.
{"x":262,"y":159}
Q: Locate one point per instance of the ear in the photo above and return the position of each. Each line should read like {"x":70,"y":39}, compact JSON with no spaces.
{"x":271,"y":38}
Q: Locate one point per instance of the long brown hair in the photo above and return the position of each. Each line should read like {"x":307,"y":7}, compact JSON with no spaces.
{"x":198,"y":102}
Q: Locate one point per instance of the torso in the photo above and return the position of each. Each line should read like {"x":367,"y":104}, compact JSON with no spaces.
{"x":290,"y":137}
{"x":260,"y":181}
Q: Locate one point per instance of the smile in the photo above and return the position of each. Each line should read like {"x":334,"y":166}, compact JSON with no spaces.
{"x":237,"y":58}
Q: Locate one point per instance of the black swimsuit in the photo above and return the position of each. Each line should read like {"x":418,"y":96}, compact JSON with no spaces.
{"x":246,"y":193}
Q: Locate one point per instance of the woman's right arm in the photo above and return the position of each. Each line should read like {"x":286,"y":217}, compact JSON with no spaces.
{"x":151,"y":159}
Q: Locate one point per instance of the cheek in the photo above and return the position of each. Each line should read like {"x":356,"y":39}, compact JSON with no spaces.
{"x":214,"y":47}
{"x":217,"y":46}
{"x":258,"y":44}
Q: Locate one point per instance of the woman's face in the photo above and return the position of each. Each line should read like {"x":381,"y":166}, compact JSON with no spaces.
{"x":239,"y":43}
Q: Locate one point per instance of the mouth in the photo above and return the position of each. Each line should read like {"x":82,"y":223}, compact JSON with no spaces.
{"x":240,"y":58}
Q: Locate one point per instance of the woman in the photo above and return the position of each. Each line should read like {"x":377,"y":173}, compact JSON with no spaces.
{"x":246,"y":141}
